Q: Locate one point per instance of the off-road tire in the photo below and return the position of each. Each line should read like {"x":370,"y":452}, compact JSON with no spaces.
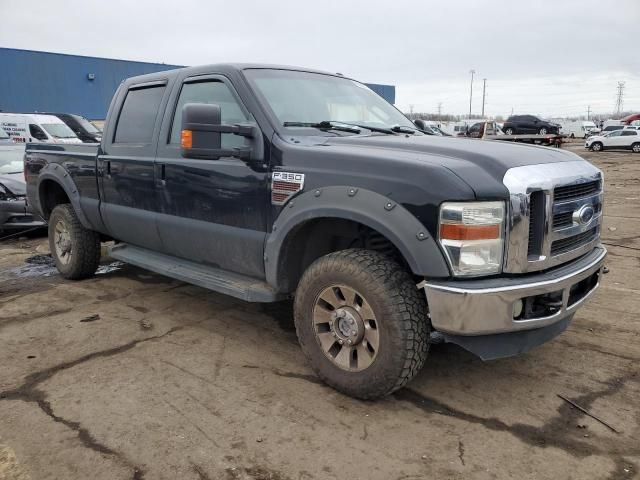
{"x":401,"y":313}
{"x":85,"y":245}
{"x":596,"y":147}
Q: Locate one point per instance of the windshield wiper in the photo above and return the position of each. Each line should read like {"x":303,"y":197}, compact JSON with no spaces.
{"x":404,"y":129}
{"x":326,"y":125}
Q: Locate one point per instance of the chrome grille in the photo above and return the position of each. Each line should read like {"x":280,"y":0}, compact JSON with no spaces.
{"x":567,"y":244}
{"x":578,"y":190}
{"x":546,"y":227}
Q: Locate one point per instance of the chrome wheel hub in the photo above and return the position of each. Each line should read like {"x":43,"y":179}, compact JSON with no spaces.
{"x":62,"y":242}
{"x":346,"y":328}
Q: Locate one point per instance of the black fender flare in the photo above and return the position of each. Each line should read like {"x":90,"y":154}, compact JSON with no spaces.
{"x":59,"y":175}
{"x":376,"y":211}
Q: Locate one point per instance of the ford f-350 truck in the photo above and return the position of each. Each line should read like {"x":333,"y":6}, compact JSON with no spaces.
{"x":269,"y":183}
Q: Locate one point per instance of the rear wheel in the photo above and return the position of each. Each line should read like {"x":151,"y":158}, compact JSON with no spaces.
{"x":635,"y":147}
{"x":542,"y":131}
{"x":75,"y":249}
{"x":596,"y":146}
{"x":361,"y":322}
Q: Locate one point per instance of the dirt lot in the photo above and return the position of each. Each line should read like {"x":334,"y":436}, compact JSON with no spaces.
{"x":131,"y":375}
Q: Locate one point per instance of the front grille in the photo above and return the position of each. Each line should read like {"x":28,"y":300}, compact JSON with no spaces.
{"x":563,"y":220}
{"x":536,"y":223}
{"x":570,"y":192}
{"x":570,"y":243}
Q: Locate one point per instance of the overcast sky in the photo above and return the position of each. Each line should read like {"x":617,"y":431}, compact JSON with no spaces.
{"x":548,"y":57}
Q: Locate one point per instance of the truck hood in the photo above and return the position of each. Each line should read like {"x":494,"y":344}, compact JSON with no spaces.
{"x":481,"y":164}
{"x":14,"y":182}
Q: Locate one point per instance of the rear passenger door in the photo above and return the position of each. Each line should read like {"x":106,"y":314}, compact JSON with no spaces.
{"x":126,"y":165}
{"x":212,"y":211}
{"x":629,"y":137}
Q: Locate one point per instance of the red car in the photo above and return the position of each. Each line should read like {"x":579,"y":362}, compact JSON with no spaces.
{"x":631,"y":118}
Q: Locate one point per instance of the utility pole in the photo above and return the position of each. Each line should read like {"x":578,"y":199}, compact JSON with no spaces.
{"x":484,"y":87}
{"x":588,"y":112}
{"x":439,"y":110}
{"x":472,"y":72}
{"x":620,"y":98}
{"x":411,"y":112}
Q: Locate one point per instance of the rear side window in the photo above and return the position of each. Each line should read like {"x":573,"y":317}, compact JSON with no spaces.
{"x":138,"y":115}
{"x":212,"y":92}
{"x":629,"y":133}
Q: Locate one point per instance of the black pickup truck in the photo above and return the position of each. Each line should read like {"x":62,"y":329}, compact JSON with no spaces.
{"x":270,"y":183}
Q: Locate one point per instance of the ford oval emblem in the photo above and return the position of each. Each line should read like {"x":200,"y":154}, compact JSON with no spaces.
{"x":584,"y":215}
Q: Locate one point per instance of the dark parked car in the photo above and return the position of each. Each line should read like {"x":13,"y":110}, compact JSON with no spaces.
{"x":83,"y":128}
{"x":522,"y":124}
{"x":277,"y":183}
{"x":14,"y":212}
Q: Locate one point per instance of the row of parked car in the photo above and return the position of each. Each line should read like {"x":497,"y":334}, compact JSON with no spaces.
{"x":18,"y":129}
{"x":47,"y":127}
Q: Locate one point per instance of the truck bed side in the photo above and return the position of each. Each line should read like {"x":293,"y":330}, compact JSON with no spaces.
{"x":55,"y":171}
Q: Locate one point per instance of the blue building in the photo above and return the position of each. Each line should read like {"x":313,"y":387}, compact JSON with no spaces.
{"x":33,"y":81}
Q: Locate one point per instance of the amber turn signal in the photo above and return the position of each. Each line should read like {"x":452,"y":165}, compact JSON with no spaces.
{"x":186,"y":139}
{"x":456,"y":231}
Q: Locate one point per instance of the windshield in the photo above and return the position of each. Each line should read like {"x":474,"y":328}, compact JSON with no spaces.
{"x":58,"y":130}
{"x":87,"y":125}
{"x":11,"y":160}
{"x":3,"y":135}
{"x":312,"y":98}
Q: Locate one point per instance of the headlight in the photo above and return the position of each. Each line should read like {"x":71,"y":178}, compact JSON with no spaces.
{"x":472,"y":236}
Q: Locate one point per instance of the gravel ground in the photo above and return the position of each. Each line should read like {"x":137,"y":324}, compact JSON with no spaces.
{"x":131,"y":375}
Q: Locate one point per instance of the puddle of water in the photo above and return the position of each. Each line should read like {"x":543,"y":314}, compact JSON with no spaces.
{"x":110,"y":267}
{"x":44,"y":266}
{"x":36,"y":266}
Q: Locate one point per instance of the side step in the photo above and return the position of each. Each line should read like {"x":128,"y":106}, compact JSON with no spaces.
{"x":216,"y":279}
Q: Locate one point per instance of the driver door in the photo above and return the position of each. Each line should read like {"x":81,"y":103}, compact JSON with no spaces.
{"x":211,"y":211}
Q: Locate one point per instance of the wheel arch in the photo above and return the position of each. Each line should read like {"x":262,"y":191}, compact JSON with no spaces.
{"x":55,"y":186}
{"x":295,"y":233}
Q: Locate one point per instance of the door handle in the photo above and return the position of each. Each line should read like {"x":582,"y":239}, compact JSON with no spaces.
{"x":107,"y":168}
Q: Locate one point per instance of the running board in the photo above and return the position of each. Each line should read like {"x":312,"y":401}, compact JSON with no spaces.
{"x":211,"y":278}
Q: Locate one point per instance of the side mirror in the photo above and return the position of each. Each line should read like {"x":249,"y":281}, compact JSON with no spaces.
{"x":202,"y":129}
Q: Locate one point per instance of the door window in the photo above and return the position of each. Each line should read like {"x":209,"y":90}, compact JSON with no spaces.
{"x":615,"y":133}
{"x":36,"y":132}
{"x":138,"y":115}
{"x":211,"y":92}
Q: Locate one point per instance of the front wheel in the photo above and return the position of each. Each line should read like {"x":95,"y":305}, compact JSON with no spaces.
{"x":509,"y":131}
{"x":361,"y":322}
{"x":635,"y":147}
{"x":596,"y":146}
{"x":75,"y":249}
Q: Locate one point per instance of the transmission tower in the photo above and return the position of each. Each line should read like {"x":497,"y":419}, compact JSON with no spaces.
{"x":620,"y":98}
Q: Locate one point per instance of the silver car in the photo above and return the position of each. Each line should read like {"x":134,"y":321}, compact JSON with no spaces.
{"x":15,"y":214}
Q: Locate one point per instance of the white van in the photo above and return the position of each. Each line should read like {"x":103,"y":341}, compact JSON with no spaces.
{"x":32,"y":127}
{"x":577,"y":129}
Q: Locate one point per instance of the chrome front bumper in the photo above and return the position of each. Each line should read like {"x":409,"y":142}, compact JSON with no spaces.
{"x":485,"y":307}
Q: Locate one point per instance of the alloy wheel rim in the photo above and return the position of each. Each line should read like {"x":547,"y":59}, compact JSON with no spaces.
{"x":62,"y":242}
{"x":346,"y":328}
{"x":636,"y":148}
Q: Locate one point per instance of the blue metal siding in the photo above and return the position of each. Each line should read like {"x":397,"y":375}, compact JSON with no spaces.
{"x":33,"y":81}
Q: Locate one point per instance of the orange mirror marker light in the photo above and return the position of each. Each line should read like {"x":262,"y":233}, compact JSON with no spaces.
{"x":186,"y":139}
